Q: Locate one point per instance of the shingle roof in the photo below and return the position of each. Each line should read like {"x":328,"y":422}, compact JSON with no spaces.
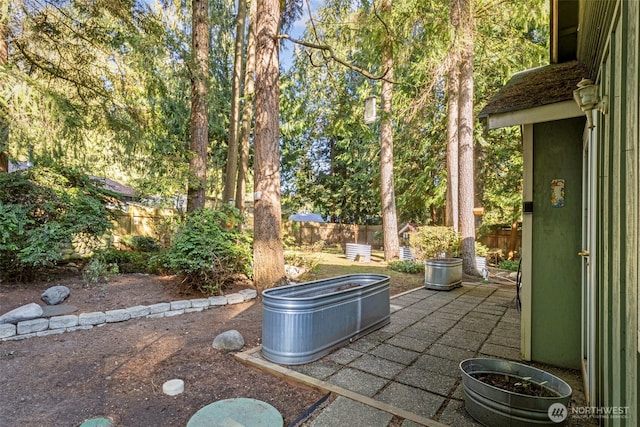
{"x":114,"y":186}
{"x":536,"y":87}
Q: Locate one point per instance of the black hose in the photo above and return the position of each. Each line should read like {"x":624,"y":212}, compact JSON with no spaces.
{"x":309,"y":410}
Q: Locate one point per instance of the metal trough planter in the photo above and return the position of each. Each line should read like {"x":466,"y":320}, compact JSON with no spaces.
{"x":443,"y":274}
{"x":301,"y":323}
{"x":404,"y":252}
{"x":355,"y":251}
{"x":496,"y":407}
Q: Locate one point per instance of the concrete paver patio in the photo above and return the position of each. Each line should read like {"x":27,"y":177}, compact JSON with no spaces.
{"x":410,"y":368}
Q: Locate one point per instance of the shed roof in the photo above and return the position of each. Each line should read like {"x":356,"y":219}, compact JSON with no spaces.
{"x":536,"y":87}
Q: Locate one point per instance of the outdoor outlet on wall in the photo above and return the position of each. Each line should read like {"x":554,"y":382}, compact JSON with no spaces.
{"x":527,"y":207}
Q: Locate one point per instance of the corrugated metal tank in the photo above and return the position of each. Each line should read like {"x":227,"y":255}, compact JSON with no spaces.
{"x":301,"y":323}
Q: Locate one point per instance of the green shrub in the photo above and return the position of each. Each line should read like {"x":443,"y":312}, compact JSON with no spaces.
{"x":141,"y":243}
{"x":41,"y":210}
{"x":98,"y":269}
{"x":407,"y":266}
{"x":509,"y":264}
{"x":431,"y":241}
{"x":208,"y":251}
{"x":481,"y":250}
{"x":128,"y":261}
{"x":306,"y":261}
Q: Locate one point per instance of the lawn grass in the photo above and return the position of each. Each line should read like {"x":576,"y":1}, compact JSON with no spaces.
{"x":337,"y":264}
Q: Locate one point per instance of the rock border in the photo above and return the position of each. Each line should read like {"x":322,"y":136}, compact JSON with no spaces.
{"x":41,"y":327}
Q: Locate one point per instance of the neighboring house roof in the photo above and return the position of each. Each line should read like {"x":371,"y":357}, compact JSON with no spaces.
{"x":306,"y":217}
{"x":106,"y":183}
{"x":536,"y":87}
{"x":114,"y":186}
{"x":18,"y":166}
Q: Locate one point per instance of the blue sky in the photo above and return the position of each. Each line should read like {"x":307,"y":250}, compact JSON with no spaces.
{"x":296,"y":31}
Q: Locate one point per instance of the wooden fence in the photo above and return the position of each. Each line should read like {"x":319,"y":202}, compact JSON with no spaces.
{"x":309,"y":233}
{"x":499,"y":237}
{"x":145,"y":221}
{"x":141,"y":220}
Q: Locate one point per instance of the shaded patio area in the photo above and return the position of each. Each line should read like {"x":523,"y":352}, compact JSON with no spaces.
{"x":409,"y":369}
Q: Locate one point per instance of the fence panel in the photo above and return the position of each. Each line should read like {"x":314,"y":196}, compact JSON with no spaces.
{"x":308,"y":233}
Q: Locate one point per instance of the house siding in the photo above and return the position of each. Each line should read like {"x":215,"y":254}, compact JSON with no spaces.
{"x":556,"y":241}
{"x":609,"y":48}
{"x":617,"y":226}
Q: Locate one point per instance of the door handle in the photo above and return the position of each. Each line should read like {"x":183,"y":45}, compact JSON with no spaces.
{"x":583,"y":253}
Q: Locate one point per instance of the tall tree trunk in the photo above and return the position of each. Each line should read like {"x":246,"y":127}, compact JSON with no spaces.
{"x":465,"y":135}
{"x":452,"y":208}
{"x":389,"y":218}
{"x":247,"y":111}
{"x":4,"y":59}
{"x":268,"y":253}
{"x":232,"y":150}
{"x":199,"y":122}
{"x":453,"y":93}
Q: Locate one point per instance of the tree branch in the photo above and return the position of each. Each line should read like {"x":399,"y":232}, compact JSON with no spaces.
{"x":329,"y":50}
{"x":59,"y":73}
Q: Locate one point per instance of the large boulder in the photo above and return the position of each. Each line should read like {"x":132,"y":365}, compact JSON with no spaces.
{"x":25,"y":312}
{"x":55,"y":295}
{"x":230,"y":340}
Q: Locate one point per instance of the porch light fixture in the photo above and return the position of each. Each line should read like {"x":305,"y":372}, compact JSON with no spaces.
{"x":586,"y":96}
{"x":370,"y":113}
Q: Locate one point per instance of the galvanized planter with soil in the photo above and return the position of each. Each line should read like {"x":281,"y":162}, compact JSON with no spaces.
{"x":498,"y":407}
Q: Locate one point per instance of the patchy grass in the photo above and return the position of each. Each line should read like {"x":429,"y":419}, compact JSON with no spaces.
{"x":332,"y":264}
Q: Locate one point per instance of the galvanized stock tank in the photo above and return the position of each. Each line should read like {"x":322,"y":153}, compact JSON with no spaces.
{"x":496,"y":407}
{"x":443,"y":274}
{"x":301,"y":323}
{"x":357,"y":251}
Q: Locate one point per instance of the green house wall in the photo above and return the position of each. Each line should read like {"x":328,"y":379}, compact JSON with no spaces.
{"x":556,"y":241}
{"x":617,"y":228}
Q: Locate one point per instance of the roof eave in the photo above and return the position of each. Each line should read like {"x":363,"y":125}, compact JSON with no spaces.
{"x":545,"y":113}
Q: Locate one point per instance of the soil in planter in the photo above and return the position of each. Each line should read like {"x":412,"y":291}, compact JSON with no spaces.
{"x":515,"y":384}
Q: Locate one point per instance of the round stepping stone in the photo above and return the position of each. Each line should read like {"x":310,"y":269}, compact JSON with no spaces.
{"x":173,"y":387}
{"x":237,"y":412}
{"x":97,"y":422}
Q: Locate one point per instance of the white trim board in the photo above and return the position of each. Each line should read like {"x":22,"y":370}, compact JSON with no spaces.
{"x":546,"y":113}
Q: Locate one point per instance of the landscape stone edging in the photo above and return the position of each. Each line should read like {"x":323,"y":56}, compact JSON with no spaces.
{"x":40,"y":327}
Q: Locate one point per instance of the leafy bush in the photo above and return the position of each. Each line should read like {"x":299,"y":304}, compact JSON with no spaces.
{"x":481,"y":250}
{"x":141,"y":243}
{"x":407,"y":266}
{"x":305,"y":261}
{"x":208,"y":251}
{"x":129,"y":261}
{"x":430,"y":242}
{"x":41,"y":210}
{"x":98,"y":269}
{"x":509,"y":264}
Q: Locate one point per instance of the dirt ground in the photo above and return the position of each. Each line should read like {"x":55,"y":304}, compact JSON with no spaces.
{"x":118,"y":370}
